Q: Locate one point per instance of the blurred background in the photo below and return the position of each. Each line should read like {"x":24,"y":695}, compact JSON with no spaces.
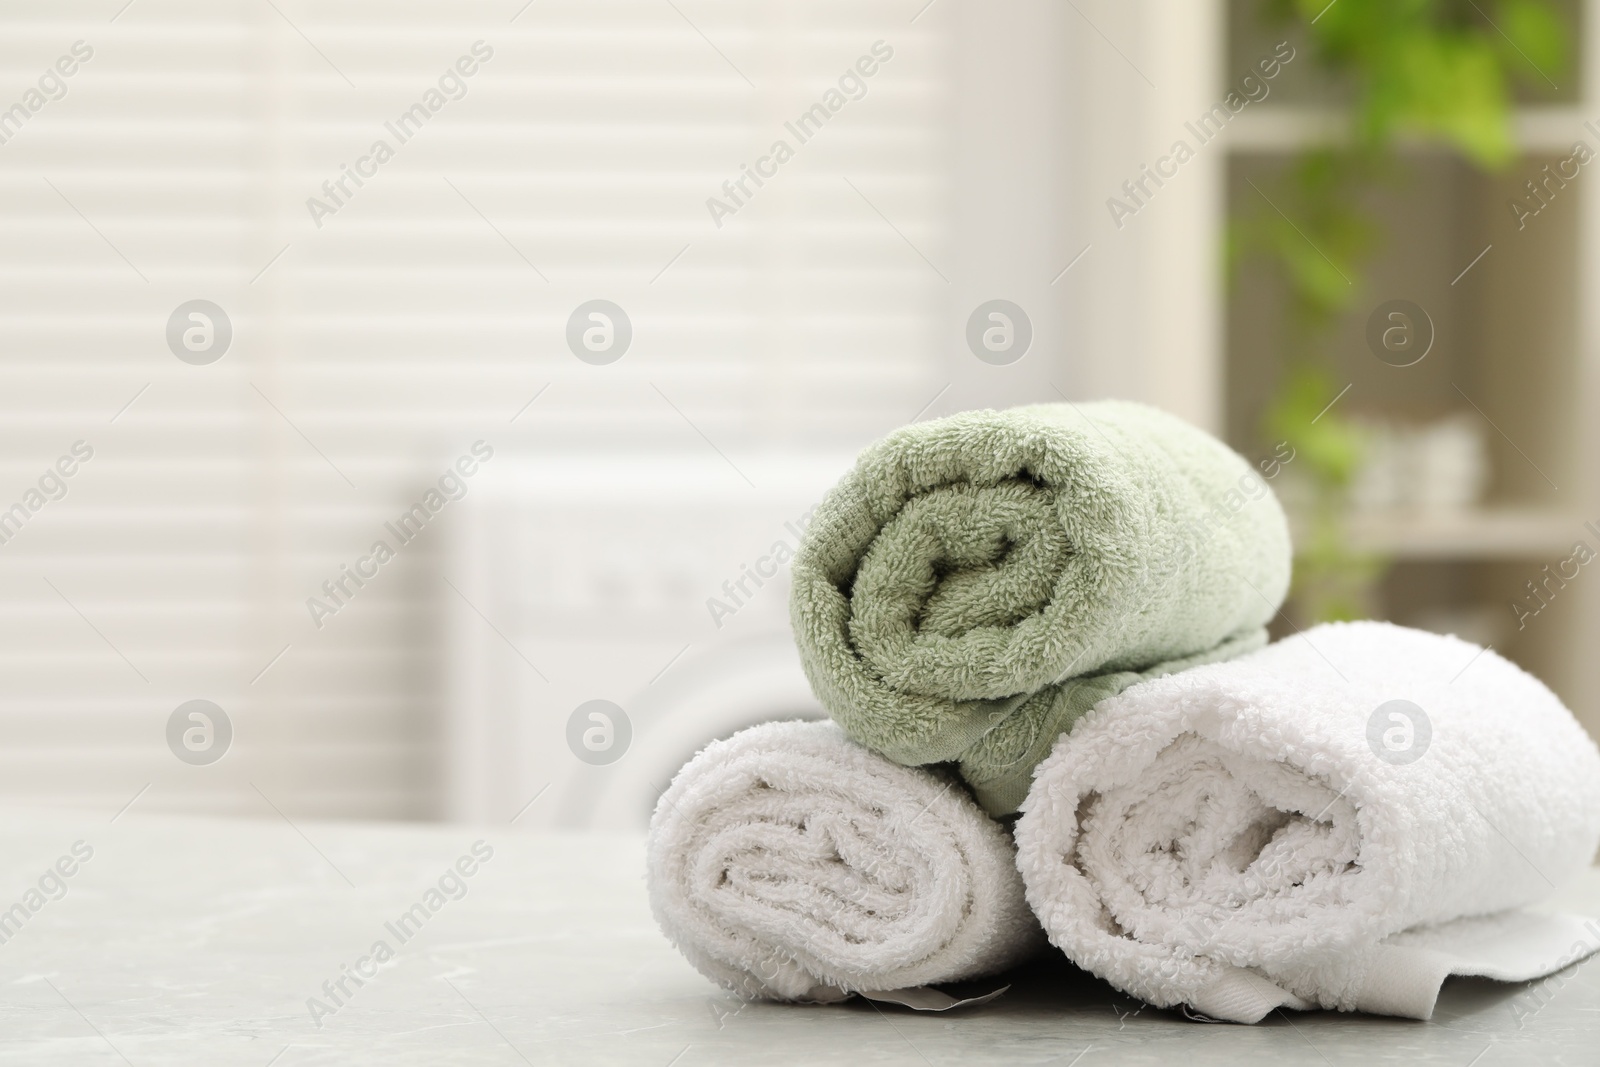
{"x":527,"y":294}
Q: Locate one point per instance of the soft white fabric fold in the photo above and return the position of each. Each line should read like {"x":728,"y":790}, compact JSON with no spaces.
{"x":1246,"y":835}
{"x":789,"y":863}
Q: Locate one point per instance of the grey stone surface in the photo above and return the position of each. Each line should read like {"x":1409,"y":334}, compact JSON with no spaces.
{"x":199,"y":942}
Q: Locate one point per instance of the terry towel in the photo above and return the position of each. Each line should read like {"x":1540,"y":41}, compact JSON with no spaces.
{"x":789,"y":863}
{"x":1315,"y":824}
{"x":976,"y":583}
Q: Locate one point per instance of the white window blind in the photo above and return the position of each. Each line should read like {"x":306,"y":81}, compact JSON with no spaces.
{"x":381,"y":330}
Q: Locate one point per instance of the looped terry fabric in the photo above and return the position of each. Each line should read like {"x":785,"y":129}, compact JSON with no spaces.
{"x":976,"y":583}
{"x":789,"y":863}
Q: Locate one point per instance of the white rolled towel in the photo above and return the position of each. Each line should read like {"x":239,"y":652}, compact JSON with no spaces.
{"x":789,"y":863}
{"x":1300,"y":827}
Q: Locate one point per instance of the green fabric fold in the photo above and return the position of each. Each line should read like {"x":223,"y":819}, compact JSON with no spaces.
{"x":976,"y":583}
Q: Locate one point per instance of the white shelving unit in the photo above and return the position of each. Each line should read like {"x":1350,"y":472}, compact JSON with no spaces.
{"x":1481,"y":533}
{"x":1154,"y":318}
{"x":1288,"y":127}
{"x":1519,"y":333}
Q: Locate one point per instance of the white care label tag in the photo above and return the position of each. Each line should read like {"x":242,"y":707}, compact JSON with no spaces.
{"x":926,"y":998}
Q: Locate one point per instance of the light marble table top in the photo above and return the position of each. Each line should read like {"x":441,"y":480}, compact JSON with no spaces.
{"x":186,"y":941}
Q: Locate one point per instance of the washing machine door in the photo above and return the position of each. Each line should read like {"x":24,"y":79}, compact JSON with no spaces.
{"x":717,"y":694}
{"x":651,"y":591}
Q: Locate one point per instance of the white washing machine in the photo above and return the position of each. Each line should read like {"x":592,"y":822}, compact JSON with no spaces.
{"x":656,"y":586}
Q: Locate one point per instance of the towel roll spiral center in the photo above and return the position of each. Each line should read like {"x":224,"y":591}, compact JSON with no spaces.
{"x":1212,"y":847}
{"x":953,"y":581}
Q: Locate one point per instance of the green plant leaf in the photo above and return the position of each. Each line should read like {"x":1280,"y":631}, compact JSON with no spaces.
{"x":1535,"y":40}
{"x":1330,"y":445}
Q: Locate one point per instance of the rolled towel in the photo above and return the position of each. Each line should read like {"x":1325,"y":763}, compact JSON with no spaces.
{"x":977,"y":583}
{"x":788,"y":863}
{"x":1250,"y":835}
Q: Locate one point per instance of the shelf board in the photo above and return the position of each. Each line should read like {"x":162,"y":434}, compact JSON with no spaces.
{"x":1484,"y":533}
{"x":1287,"y":127}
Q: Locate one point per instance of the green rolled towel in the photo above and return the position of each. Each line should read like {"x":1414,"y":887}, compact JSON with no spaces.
{"x":976,"y":583}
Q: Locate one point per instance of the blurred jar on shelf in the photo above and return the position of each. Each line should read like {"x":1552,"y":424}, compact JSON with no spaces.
{"x":1440,"y":466}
